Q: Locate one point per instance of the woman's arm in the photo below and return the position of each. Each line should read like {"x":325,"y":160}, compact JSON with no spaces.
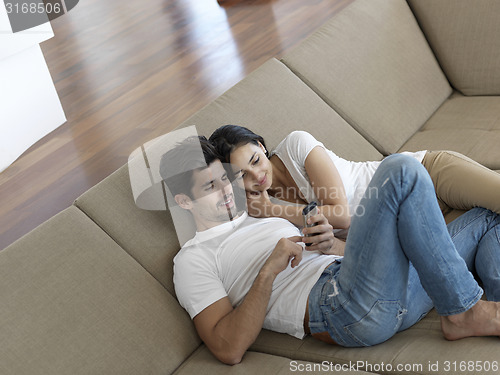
{"x":328,"y":187}
{"x":322,"y":238}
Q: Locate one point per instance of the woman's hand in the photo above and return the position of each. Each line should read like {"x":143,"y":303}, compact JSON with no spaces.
{"x":321,"y":237}
{"x":259,"y":204}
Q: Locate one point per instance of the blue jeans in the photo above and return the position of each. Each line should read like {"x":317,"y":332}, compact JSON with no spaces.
{"x":401,"y":260}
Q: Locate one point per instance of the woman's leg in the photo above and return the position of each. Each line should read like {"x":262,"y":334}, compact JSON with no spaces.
{"x":397,"y":221}
{"x":476,"y":235}
{"x":462,"y":183}
{"x":487,"y":265}
{"x":486,"y":261}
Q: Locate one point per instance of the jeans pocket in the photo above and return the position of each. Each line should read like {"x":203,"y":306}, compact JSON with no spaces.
{"x":378,"y":325}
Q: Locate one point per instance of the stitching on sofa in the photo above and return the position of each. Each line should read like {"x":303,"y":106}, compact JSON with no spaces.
{"x":75,"y":203}
{"x":341,"y":113}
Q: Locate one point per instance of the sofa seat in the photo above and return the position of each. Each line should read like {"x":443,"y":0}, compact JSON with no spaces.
{"x":91,"y":292}
{"x":466,"y":124}
{"x":203,"y":362}
{"x":74,"y":302}
{"x":272,"y":101}
{"x":410,"y":351}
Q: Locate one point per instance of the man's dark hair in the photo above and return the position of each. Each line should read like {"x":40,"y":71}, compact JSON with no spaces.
{"x":178,"y":164}
{"x":228,"y":137}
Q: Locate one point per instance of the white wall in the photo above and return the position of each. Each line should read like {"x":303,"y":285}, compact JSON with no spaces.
{"x":29,"y":105}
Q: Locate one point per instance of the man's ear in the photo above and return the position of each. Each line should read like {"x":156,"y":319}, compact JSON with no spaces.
{"x":184,"y":201}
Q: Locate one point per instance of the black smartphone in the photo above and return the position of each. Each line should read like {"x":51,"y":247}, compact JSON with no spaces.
{"x":310,"y":210}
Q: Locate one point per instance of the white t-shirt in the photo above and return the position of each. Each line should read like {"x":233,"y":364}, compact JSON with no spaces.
{"x":225,"y":260}
{"x":294,"y":149}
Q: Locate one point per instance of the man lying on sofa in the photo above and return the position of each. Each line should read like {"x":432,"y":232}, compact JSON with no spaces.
{"x":240,"y":274}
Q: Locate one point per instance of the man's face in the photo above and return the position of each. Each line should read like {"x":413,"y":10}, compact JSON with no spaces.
{"x":213,"y":198}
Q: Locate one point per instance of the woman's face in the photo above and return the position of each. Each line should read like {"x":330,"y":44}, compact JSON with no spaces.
{"x":251,"y":164}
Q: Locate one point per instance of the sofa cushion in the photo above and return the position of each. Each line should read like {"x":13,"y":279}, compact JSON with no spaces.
{"x":465,"y":37}
{"x":202,"y":362}
{"x":74,"y":302}
{"x":420,"y":349}
{"x":470,"y":125}
{"x":148,"y":236}
{"x":372,"y":64}
{"x":273,"y":102}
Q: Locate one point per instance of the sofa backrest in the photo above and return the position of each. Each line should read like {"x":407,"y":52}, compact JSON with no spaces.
{"x":272,"y":101}
{"x":372,"y":64}
{"x":148,"y":236}
{"x":465,"y":37}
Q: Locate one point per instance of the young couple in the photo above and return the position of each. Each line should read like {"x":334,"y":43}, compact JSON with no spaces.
{"x":240,"y":273}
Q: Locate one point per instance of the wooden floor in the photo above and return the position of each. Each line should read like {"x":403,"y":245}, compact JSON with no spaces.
{"x":129,"y":71}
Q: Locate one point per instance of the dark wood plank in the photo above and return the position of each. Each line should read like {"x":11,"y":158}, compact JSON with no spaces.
{"x":127,"y":72}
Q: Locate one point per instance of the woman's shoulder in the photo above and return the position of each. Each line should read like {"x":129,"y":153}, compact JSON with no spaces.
{"x":297,"y":139}
{"x":300,"y":135}
{"x":296,"y":146}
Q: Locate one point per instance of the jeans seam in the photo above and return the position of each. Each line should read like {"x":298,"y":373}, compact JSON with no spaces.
{"x":468,"y":306}
{"x":401,"y":311}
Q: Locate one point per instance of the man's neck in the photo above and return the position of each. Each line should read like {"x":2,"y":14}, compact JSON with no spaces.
{"x":204,"y":225}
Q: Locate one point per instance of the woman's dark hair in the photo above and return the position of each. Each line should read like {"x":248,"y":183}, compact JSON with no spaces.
{"x":228,"y":137}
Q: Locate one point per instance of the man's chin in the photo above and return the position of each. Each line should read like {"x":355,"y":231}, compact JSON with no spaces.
{"x":227,"y":213}
{"x":226,"y":218}
{"x":232,"y":212}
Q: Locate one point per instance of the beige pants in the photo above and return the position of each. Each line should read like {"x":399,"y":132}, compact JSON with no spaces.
{"x":461,"y":183}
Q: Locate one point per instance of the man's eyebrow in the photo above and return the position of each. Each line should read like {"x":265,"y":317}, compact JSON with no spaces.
{"x":252,"y":157}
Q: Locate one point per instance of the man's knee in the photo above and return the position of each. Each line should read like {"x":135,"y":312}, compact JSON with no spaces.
{"x":404,"y":170}
{"x":403,"y":160}
{"x":404,"y":163}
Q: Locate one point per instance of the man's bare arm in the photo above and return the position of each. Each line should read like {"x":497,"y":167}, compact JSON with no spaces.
{"x":228,"y":332}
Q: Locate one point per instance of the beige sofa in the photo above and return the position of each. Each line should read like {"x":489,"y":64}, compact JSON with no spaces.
{"x":90,"y":291}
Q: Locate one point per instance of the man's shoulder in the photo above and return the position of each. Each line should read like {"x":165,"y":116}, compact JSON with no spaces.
{"x":194,"y":259}
{"x":199,"y":247}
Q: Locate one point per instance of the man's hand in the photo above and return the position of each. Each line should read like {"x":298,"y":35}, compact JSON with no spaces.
{"x":322,"y":237}
{"x":286,"y":250}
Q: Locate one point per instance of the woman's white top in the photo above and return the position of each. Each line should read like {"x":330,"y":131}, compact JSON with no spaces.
{"x":293,"y":152}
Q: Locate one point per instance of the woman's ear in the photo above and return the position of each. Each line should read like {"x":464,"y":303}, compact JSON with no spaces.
{"x":183,"y":201}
